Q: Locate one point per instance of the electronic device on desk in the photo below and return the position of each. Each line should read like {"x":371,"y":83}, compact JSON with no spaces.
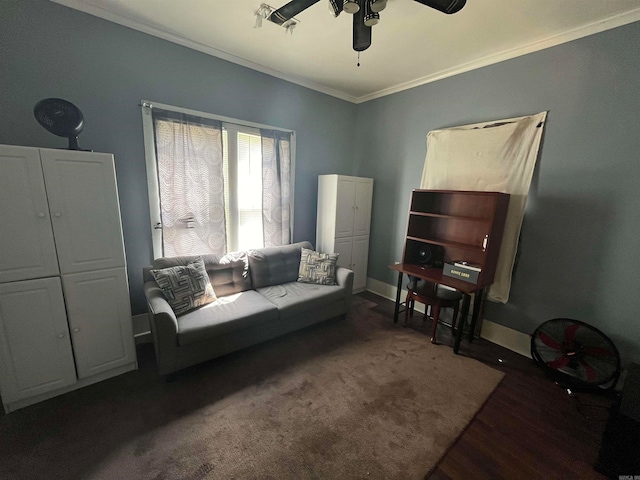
{"x":430,"y":256}
{"x":462,"y":270}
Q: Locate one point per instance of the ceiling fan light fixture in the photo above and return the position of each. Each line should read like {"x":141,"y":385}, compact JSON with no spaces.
{"x":366,"y":14}
{"x":378,"y":5}
{"x":444,"y":6}
{"x":335,"y":7}
{"x":350,"y":6}
{"x":372,"y":20}
{"x":361,"y":32}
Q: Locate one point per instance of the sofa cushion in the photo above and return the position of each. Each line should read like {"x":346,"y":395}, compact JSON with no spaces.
{"x":316,"y":267}
{"x":227,"y":314}
{"x":275,"y":265}
{"x":185,"y":287}
{"x":295,"y":297}
{"x":227,"y":273}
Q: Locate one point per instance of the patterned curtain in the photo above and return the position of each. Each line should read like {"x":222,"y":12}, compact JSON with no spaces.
{"x":276,"y":187}
{"x":190,"y":177}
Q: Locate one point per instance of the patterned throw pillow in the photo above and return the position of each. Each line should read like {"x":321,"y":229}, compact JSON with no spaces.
{"x":185,"y":287}
{"x":317,"y":267}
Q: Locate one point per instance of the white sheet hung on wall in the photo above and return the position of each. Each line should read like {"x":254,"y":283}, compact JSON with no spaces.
{"x":496,"y":156}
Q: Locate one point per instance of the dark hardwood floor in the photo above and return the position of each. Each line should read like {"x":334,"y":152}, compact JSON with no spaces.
{"x":529,"y":428}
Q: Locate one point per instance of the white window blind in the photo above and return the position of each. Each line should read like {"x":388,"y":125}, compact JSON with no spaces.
{"x":244,"y":212}
{"x":249,"y":197}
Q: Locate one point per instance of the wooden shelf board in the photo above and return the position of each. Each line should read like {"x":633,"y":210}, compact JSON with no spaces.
{"x":444,"y":243}
{"x":450,"y":217}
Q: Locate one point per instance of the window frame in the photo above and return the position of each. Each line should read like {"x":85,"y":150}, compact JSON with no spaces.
{"x":153,"y":188}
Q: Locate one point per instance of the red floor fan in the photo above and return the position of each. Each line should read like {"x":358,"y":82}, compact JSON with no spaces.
{"x":576,"y":355}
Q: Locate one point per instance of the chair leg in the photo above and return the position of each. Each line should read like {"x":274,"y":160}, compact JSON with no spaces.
{"x":455,"y":317}
{"x":435,"y":314}
{"x":408,"y":308}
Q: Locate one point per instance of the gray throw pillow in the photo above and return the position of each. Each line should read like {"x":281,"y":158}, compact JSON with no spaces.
{"x":317,"y":267}
{"x":186,"y":286}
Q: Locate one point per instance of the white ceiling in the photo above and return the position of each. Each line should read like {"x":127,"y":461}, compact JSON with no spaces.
{"x":412,"y":45}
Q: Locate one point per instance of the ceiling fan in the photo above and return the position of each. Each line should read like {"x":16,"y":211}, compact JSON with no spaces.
{"x":366,"y":14}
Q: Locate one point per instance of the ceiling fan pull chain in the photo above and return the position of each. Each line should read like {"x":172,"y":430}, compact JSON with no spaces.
{"x":358,"y":58}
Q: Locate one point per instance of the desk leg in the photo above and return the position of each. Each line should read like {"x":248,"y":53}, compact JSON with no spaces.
{"x":478,"y":302}
{"x":466,"y":300}
{"x":396,"y":310}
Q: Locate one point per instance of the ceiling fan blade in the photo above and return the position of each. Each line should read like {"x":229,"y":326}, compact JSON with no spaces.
{"x":290,"y":10}
{"x":335,"y":7}
{"x":444,"y":6}
{"x":361,"y":33}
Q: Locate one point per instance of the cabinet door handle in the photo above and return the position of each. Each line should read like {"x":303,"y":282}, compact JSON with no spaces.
{"x":61,"y":335}
{"x":41,"y":214}
{"x":484,"y":242}
{"x":58,"y":214}
{"x":76,"y":330}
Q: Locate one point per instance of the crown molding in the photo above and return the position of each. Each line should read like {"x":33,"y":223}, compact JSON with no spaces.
{"x":156,"y":32}
{"x":541,"y":44}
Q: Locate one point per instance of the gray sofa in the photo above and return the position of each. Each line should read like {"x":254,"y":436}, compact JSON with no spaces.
{"x":259,"y":298}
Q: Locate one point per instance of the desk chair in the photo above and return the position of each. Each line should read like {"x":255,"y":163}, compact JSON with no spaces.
{"x":434,"y":296}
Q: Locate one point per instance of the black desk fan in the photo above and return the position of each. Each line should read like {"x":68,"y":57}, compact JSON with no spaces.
{"x":576,"y":355}
{"x":61,"y":118}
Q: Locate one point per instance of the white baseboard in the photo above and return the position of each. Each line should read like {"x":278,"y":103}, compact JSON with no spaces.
{"x":141,"y":329}
{"x":506,"y":337}
{"x":499,"y":334}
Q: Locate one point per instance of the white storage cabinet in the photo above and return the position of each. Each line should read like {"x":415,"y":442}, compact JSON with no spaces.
{"x":344,"y":221}
{"x":65,"y":317}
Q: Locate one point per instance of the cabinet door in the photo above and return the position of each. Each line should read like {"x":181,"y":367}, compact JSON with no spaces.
{"x":345,"y":206}
{"x":363,"y":197}
{"x":35,"y":350}
{"x":83,"y":199}
{"x":343,"y":246}
{"x":27,"y":249}
{"x":359,"y":260}
{"x":100,"y":320}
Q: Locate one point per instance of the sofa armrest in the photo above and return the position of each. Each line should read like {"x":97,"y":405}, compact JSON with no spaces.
{"x":164,"y":328}
{"x":344,"y":278}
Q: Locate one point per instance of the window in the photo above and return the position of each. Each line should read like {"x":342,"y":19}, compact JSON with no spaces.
{"x":216,"y":185}
{"x":244,"y":221}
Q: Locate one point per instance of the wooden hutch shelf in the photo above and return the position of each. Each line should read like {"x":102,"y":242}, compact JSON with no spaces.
{"x":457,"y":226}
{"x":451,"y":226}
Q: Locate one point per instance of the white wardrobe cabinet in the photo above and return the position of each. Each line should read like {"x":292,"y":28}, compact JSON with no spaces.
{"x":354,"y":255}
{"x":65,"y":318}
{"x":344,"y":221}
{"x":85,"y":213}
{"x":100,"y":325}
{"x":35,"y":349}
{"x":26,"y":239}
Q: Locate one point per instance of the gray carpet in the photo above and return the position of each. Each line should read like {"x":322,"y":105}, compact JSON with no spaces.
{"x":353,"y":398}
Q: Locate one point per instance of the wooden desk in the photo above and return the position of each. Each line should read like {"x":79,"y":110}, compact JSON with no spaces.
{"x":435,"y":275}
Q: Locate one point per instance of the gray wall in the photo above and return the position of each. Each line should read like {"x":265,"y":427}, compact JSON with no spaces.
{"x":580,"y":236}
{"x":582,"y":224}
{"x":47,"y":50}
